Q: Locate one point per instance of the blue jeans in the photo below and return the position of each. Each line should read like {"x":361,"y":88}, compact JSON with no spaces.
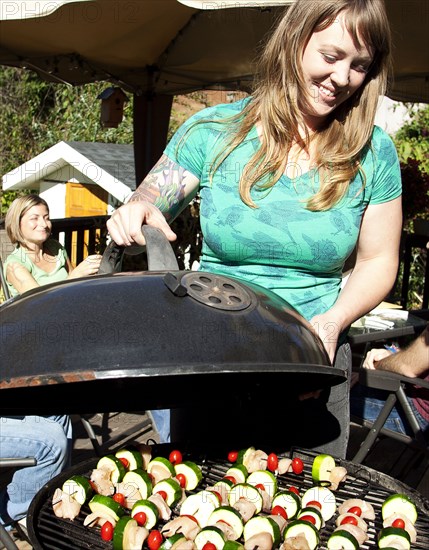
{"x":367,"y":403}
{"x":46,"y":438}
{"x":161,"y":418}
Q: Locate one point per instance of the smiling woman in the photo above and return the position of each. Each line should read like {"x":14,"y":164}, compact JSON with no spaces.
{"x":293,"y":178}
{"x":37,"y":258}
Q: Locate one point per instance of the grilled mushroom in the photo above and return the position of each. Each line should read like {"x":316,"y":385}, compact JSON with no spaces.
{"x":64,"y":505}
{"x":295,"y":543}
{"x":366,"y":507}
{"x":103,"y":484}
{"x":181,"y":524}
{"x":245,"y":508}
{"x":261,"y":541}
{"x":163,"y":508}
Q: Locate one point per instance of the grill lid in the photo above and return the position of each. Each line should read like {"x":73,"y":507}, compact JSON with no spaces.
{"x":113,"y":330}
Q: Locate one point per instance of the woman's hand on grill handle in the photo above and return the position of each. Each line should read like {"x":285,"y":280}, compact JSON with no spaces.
{"x":125,"y":224}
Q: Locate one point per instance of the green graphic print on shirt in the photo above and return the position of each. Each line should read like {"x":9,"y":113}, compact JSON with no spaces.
{"x":280,"y":245}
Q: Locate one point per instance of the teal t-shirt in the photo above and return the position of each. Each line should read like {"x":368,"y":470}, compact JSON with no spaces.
{"x":280,"y":245}
{"x":42,"y":277}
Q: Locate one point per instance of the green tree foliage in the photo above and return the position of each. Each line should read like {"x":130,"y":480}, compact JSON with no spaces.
{"x":35,"y":115}
{"x":412,"y":139}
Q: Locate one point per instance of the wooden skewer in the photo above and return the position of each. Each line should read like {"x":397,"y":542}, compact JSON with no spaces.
{"x":58,"y":501}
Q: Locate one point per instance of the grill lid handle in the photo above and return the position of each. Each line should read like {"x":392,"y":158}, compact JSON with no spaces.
{"x":160,"y":255}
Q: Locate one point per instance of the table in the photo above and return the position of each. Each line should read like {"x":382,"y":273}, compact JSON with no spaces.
{"x":402,"y":327}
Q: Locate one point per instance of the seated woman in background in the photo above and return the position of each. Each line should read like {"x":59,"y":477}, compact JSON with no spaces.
{"x":36,"y":260}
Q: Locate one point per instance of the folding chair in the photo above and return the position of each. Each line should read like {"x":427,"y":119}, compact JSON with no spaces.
{"x":5,"y":539}
{"x":395,"y":386}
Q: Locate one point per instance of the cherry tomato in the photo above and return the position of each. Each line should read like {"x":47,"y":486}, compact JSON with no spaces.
{"x":93,"y":485}
{"x":297,"y":465}
{"x":272,"y":462}
{"x":209,"y":546}
{"x":125,"y":462}
{"x":294,"y":490}
{"x":355,"y":510}
{"x":260,"y":486}
{"x":162,"y":494}
{"x":349,"y":520}
{"x":230,"y":478}
{"x":175,"y":457}
{"x":279,"y":511}
{"x":181,"y":478}
{"x":154,"y":540}
{"x":315,"y":504}
{"x":310,"y":519}
{"x":140,"y":518}
{"x":232,"y":456}
{"x":119,"y":498}
{"x":107,"y":531}
{"x":399,"y":523}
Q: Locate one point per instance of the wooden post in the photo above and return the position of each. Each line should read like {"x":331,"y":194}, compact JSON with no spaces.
{"x":151,"y":119}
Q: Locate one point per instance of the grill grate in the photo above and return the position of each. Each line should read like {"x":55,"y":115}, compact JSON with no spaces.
{"x":50,"y":533}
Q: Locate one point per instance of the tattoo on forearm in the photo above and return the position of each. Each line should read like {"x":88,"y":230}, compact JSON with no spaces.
{"x":163,"y":187}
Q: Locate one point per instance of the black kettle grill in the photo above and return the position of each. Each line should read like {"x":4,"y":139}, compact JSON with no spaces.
{"x":157,"y":339}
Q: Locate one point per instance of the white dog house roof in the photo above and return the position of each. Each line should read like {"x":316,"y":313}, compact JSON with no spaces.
{"x":109,"y":165}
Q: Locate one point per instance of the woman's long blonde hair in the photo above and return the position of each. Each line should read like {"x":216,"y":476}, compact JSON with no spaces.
{"x":281,"y":94}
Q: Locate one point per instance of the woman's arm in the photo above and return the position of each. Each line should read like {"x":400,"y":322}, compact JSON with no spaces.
{"x":373,"y":275}
{"x":161,"y":196}
{"x":20,"y":278}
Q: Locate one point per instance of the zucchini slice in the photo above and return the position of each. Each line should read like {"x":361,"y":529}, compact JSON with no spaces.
{"x":140,"y":480}
{"x":342,"y":540}
{"x":112,"y":464}
{"x":173,"y":542}
{"x":393,"y":537}
{"x":192,"y":473}
{"x":150,"y":509}
{"x":123,"y":534}
{"x":200,"y":505}
{"x":230,"y":516}
{"x":323,"y":464}
{"x":164,"y":468}
{"x":399,"y":503}
{"x":298,"y":527}
{"x":106,"y":507}
{"x":134,"y":458}
{"x":314,"y":513}
{"x":248,"y":492}
{"x":79,"y":488}
{"x":233,"y":545}
{"x":289,"y":501}
{"x":261,"y":524}
{"x":171,"y":487}
{"x":265,"y":478}
{"x":326,"y":498}
{"x":210,"y":534}
{"x":238,"y":472}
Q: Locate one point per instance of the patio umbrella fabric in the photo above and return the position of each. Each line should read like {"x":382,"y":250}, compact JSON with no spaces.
{"x":167,"y":47}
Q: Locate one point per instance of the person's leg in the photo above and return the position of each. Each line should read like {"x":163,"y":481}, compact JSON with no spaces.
{"x":366,"y":403}
{"x":161,"y":419}
{"x":31,"y":436}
